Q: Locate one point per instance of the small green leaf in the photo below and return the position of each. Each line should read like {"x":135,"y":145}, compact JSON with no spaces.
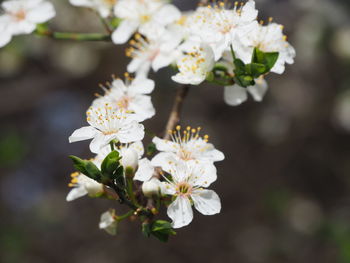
{"x":86,"y":167}
{"x":271,"y":59}
{"x":162,"y":230}
{"x":115,"y":22}
{"x":92,"y":171}
{"x":110,"y":164}
{"x":256,"y":69}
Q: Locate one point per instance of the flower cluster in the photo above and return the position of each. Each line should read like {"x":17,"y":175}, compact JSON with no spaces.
{"x":219,"y":43}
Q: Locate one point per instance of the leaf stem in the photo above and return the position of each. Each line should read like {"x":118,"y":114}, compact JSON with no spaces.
{"x":74,"y":36}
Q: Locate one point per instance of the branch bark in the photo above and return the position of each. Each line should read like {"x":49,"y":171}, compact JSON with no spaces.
{"x":175,"y":113}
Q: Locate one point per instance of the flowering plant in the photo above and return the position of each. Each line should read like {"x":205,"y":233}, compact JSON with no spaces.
{"x":219,"y":43}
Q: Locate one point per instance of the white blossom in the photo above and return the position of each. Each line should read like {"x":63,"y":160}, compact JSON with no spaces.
{"x":83,"y":185}
{"x":194,"y":65}
{"x":155,"y":52}
{"x":268,"y":38}
{"x":109,"y":222}
{"x":106,"y":125}
{"x":103,"y":7}
{"x":186,"y":146}
{"x":147,"y":17}
{"x":131,"y":95}
{"x":218,"y":25}
{"x":187,"y":186}
{"x":22,"y":16}
{"x":236,"y":95}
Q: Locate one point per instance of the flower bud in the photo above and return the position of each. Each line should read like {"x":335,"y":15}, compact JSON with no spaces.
{"x":108,"y":222}
{"x":130,"y":160}
{"x":151,"y":188}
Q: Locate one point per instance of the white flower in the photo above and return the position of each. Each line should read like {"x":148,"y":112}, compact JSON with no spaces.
{"x":83,"y":185}
{"x":103,"y":7}
{"x":22,"y":16}
{"x":236,"y":95}
{"x":151,"y":188}
{"x":187,"y":186}
{"x":131,"y":96}
{"x":185,"y":146}
{"x":109,"y":222}
{"x":194,"y":65}
{"x":218,"y":25}
{"x":267,"y":38}
{"x":146,"y":16}
{"x":106,"y":125}
{"x":155,"y":53}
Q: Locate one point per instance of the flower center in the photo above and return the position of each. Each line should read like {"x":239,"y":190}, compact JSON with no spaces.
{"x":185,"y":154}
{"x":110,"y":2}
{"x":19,"y":15}
{"x":124,"y":102}
{"x":183,"y":189}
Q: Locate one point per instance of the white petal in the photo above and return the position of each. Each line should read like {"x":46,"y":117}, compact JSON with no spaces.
{"x":134,"y":132}
{"x":124,"y":31}
{"x":206,"y":201}
{"x":145,"y":170}
{"x":42,"y":13}
{"x":167,"y":14}
{"x":162,"y":61}
{"x":162,"y":160}
{"x":98,"y":142}
{"x":203,"y":174}
{"x":235,"y":95}
{"x":180,"y":211}
{"x":5,"y":38}
{"x":142,"y":85}
{"x":84,"y":133}
{"x":165,"y":145}
{"x":76,"y":193}
{"x":258,"y":91}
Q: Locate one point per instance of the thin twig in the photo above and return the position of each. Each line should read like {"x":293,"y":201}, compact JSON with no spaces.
{"x":175,"y":114}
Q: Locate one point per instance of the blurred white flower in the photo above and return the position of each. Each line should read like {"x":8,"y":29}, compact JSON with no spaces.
{"x":187,"y":187}
{"x":22,"y":16}
{"x":103,"y":7}
{"x":107,"y":124}
{"x":147,"y":17}
{"x":236,"y":95}
{"x":131,"y":96}
{"x":109,"y":222}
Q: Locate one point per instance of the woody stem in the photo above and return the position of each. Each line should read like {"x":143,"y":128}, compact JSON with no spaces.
{"x":175,"y":114}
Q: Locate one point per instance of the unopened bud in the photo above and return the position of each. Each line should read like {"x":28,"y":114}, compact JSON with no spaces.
{"x":151,"y":188}
{"x":108,"y":222}
{"x":130,"y":160}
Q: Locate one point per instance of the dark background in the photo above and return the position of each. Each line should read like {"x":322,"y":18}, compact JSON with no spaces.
{"x":284,"y":184}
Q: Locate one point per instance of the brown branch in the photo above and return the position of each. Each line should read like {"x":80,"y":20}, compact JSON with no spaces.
{"x":174,"y":117}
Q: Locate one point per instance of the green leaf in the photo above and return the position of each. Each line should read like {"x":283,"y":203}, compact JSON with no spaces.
{"x":271,"y":59}
{"x":92,"y":171}
{"x":110,"y":164}
{"x":162,"y":230}
{"x":86,"y":167}
{"x":256,"y":69}
{"x":268,"y":59}
{"x":239,"y":67}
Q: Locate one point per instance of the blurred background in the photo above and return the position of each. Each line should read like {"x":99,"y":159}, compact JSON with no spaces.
{"x":285,"y":183}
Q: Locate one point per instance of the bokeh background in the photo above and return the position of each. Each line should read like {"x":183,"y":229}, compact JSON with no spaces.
{"x":284,"y":184}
